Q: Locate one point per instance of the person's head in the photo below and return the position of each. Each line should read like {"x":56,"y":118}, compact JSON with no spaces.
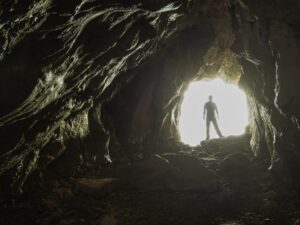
{"x":210,"y":98}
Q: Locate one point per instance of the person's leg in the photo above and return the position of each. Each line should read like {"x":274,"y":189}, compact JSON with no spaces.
{"x":215,"y":123}
{"x":207,"y":128}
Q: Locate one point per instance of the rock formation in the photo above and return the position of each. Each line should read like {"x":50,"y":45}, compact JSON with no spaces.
{"x":90,"y":84}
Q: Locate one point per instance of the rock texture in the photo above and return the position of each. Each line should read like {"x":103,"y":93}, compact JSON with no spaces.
{"x":204,"y":185}
{"x":269,"y":57}
{"x":59,"y":62}
{"x":89,"y":83}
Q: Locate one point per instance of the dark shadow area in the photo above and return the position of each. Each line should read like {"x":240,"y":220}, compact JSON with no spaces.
{"x":220,"y":182}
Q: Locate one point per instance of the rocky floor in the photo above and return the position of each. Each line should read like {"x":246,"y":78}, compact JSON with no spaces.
{"x":217,"y":183}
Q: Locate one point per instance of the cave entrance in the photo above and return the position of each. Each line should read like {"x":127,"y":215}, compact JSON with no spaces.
{"x":232,"y":107}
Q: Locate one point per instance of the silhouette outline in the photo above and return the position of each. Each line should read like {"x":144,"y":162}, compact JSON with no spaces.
{"x":209,"y":113}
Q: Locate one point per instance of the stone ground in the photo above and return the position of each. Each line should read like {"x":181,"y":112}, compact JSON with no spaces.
{"x":217,"y":183}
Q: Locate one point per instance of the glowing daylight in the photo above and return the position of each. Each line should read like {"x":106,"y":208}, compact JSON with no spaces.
{"x":232,"y":106}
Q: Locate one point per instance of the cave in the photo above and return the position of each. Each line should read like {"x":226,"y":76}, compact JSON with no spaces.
{"x":91,"y":94}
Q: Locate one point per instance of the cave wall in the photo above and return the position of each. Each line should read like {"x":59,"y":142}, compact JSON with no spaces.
{"x":267,"y":42}
{"x":60,"y":61}
{"x":82,"y":79}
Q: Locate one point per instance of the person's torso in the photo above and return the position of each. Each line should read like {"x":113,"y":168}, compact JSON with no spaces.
{"x":210,"y":108}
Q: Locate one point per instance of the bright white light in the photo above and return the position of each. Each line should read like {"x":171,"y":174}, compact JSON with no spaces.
{"x":232,"y":106}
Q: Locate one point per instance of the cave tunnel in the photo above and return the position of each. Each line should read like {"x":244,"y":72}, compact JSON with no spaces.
{"x":92,"y":96}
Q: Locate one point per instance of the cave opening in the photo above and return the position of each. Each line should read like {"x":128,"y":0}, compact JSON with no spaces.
{"x":232,"y":108}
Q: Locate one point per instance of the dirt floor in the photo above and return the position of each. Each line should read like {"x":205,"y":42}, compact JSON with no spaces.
{"x":217,"y":183}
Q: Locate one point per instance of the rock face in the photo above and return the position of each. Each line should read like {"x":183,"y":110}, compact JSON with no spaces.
{"x":83,"y":80}
{"x":269,"y":59}
{"x":61,"y":61}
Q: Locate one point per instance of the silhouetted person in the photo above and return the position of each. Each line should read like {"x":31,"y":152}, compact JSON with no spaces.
{"x":210,"y":111}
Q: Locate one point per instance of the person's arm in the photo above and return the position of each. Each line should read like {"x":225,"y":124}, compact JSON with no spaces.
{"x":217,"y":113}
{"x":204,"y":110}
